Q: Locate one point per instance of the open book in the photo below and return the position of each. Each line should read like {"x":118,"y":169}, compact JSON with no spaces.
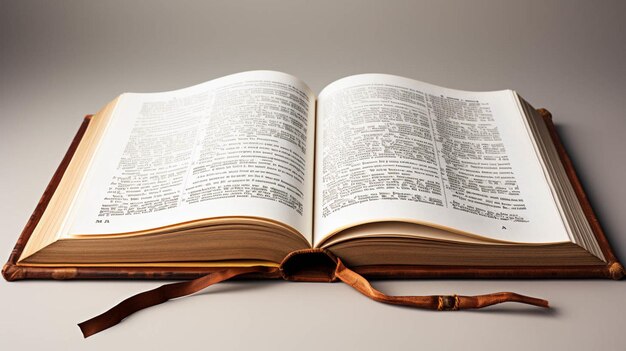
{"x":377,"y":169}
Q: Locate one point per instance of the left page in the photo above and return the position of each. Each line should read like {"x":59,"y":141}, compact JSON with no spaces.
{"x":241,"y":145}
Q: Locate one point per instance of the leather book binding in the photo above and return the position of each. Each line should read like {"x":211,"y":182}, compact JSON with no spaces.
{"x":313,"y":264}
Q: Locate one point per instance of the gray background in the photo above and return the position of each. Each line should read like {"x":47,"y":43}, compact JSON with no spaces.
{"x":61,"y":60}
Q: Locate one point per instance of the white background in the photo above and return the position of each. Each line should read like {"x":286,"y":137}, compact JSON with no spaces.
{"x":61,"y":60}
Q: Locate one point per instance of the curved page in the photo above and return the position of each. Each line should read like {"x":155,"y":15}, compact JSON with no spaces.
{"x":395,"y":149}
{"x":241,"y":145}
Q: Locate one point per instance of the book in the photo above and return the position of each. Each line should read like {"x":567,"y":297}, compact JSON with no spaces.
{"x":397,"y":177}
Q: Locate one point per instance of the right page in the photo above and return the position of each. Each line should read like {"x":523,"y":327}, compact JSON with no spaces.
{"x":394,"y":149}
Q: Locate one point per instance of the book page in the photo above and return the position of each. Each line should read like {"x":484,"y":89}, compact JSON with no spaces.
{"x":241,"y":145}
{"x":391,"y":148}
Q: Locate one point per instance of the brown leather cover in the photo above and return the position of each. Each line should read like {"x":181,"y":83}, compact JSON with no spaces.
{"x":300,"y":268}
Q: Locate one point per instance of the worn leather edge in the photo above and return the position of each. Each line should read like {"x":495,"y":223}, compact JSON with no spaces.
{"x":485,"y":272}
{"x":10,"y":271}
{"x":613,"y":270}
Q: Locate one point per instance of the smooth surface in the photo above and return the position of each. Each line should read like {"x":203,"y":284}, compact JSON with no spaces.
{"x":61,"y":60}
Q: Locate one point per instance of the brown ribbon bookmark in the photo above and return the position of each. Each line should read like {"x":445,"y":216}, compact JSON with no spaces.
{"x":434,"y":302}
{"x":159,"y":295}
{"x":339,"y":272}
